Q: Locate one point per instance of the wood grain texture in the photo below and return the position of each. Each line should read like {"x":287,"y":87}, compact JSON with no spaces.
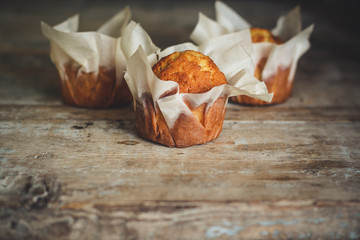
{"x":288,"y":171}
{"x":246,"y":158}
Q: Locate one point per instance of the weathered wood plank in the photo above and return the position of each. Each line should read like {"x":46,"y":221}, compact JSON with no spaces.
{"x":193,"y":220}
{"x":234,"y":112}
{"x":249,"y":161}
{"x":31,"y":207}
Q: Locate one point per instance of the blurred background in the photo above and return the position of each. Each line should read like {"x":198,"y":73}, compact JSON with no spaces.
{"x":169,"y":22}
{"x":24,"y":50}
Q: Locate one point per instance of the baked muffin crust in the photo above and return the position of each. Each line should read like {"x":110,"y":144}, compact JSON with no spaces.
{"x":192,"y":70}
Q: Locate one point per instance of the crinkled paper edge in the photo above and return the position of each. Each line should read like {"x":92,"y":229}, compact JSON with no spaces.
{"x":141,"y":79}
{"x":288,"y":27}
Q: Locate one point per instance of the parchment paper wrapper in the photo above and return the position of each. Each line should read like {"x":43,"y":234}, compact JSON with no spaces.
{"x":165,"y":116}
{"x":91,"y":65}
{"x":274,"y":64}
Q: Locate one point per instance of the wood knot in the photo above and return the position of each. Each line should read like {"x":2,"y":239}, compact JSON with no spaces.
{"x":29,"y":192}
{"x":82,"y":127}
{"x":127,"y":142}
{"x":39,"y":191}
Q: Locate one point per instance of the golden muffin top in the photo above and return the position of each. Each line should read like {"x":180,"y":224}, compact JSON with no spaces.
{"x":192,"y":70}
{"x":263,"y":35}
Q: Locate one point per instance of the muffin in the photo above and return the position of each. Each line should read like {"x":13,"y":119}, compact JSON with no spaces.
{"x":277,"y":83}
{"x":90,"y":65}
{"x":93,"y":90}
{"x":194,"y":73}
{"x":180,"y":93}
{"x":275,"y":53}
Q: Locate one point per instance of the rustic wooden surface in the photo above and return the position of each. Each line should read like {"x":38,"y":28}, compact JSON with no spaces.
{"x":289,"y":171}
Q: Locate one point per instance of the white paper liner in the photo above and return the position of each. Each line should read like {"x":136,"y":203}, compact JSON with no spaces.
{"x":101,"y":48}
{"x":231,"y":53}
{"x":288,"y":28}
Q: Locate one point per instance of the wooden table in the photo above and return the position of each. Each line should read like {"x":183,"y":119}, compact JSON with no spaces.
{"x":289,"y":171}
